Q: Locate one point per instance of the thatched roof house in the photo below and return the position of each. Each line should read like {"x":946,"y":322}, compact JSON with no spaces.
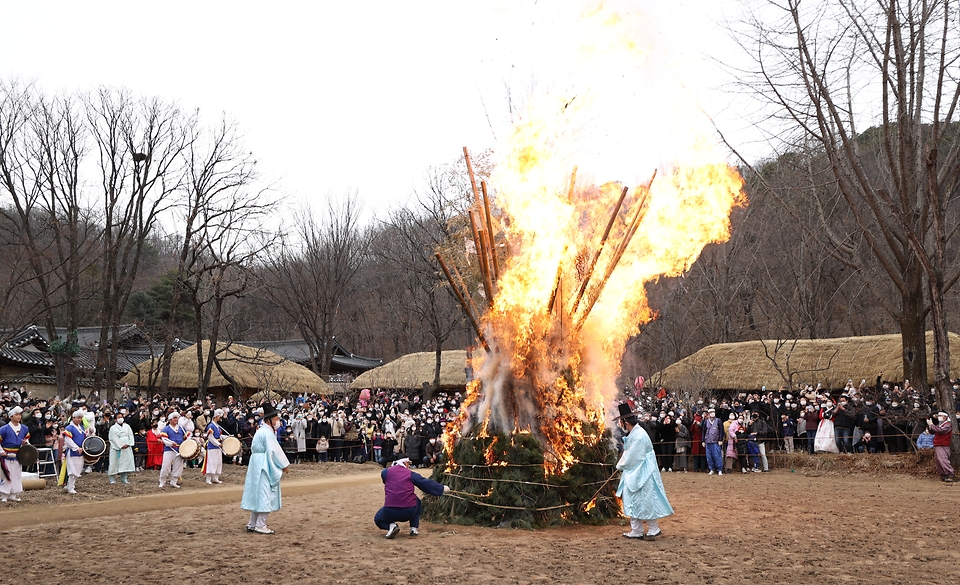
{"x":253,"y":370}
{"x":749,"y":365}
{"x":413,"y":370}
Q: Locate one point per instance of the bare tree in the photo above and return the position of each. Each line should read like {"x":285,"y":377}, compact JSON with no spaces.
{"x":44,"y":142}
{"x":139,"y":144}
{"x":407,"y":248}
{"x":215,"y":209}
{"x":309,"y":274}
{"x":828,"y":67}
{"x":230,"y":247}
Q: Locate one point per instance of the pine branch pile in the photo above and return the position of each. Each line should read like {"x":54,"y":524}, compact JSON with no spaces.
{"x":502,"y":481}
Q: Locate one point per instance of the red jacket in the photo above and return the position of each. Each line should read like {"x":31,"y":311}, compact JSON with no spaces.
{"x":942,"y":433}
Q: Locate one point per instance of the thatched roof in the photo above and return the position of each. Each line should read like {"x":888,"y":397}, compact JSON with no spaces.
{"x":252,"y":369}
{"x":412,"y":370}
{"x":747,"y":366}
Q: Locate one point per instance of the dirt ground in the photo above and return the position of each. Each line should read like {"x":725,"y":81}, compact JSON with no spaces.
{"x":778,"y":527}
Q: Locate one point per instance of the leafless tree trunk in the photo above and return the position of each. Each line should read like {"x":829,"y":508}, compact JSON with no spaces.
{"x":139,"y":143}
{"x":43,"y":145}
{"x":217,"y":170}
{"x":831,"y":65}
{"x":406,"y":248}
{"x":309,"y":275}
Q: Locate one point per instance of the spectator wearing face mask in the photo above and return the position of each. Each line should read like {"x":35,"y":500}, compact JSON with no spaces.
{"x":433,"y":452}
{"x":844,"y":419}
{"x":895,"y":435}
{"x":299,"y":427}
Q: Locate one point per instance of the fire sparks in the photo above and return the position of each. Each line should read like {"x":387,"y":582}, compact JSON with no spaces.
{"x":570,"y":292}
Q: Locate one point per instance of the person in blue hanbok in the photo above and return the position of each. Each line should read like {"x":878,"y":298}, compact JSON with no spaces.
{"x":641,"y":488}
{"x":261,"y":490}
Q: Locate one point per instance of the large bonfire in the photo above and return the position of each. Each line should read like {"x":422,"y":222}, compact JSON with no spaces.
{"x":563,"y":262}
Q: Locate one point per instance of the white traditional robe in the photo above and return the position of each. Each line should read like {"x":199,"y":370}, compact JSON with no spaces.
{"x":121,"y":460}
{"x":641,"y":488}
{"x":261,"y":490}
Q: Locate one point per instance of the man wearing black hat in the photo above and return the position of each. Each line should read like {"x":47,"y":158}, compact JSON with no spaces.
{"x":641,"y":488}
{"x":268,"y":463}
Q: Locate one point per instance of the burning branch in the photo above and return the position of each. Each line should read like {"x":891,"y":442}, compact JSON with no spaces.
{"x":641,"y":211}
{"x":480,"y":241}
{"x":463,"y":302}
{"x":489,"y":230}
{"x":596,"y":255}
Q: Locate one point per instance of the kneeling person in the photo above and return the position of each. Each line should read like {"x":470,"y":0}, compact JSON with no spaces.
{"x":400,"y":503}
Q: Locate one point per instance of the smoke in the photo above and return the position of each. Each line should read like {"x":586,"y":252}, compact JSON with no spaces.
{"x":616,"y":109}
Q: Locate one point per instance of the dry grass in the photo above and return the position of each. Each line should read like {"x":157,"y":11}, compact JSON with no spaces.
{"x":919,"y":464}
{"x":253,"y":369}
{"x":411,"y":371}
{"x":749,"y":365}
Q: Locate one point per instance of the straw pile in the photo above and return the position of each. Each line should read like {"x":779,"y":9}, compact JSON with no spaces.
{"x":253,"y":369}
{"x":412,"y":371}
{"x":749,"y":365}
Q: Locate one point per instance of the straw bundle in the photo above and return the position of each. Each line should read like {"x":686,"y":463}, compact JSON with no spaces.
{"x":749,"y":365}
{"x":253,"y":369}
{"x":413,"y":370}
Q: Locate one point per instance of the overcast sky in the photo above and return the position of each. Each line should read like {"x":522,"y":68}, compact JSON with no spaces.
{"x":340,"y":96}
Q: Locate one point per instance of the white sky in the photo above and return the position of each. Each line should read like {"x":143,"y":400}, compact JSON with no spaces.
{"x":337,"y":96}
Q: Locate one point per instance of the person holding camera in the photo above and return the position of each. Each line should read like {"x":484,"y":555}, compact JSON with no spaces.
{"x":942,"y":432}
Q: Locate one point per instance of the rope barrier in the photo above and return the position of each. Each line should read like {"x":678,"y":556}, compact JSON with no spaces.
{"x":501,"y":507}
{"x":526,"y":465}
{"x":552,"y":485}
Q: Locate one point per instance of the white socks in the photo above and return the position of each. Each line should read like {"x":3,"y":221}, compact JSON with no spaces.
{"x":652,"y":526}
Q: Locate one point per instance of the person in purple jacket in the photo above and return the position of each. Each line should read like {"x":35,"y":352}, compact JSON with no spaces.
{"x":400,"y":503}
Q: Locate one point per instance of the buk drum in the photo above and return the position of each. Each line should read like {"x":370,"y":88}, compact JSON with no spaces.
{"x":93,"y":449}
{"x":27,"y":455}
{"x":231,"y":446}
{"x":190,"y":449}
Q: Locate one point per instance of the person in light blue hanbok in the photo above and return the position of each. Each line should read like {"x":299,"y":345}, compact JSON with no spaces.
{"x":261,"y":490}
{"x":641,"y":488}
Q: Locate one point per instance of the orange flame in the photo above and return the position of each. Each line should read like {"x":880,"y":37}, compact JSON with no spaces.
{"x":571,"y":291}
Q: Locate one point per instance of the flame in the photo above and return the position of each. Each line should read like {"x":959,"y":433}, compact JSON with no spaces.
{"x":568,"y":299}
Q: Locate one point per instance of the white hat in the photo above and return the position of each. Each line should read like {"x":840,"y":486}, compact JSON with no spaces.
{"x":173,"y":415}
{"x":402,"y":461}
{"x":77,"y":414}
{"x":943,"y":414}
{"x":15,"y":410}
{"x":218,"y":412}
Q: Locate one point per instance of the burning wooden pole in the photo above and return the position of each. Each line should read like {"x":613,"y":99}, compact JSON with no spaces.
{"x":489,"y":229}
{"x":596,"y":254}
{"x":463,"y":302}
{"x":463,"y":287}
{"x":479,"y":240}
{"x":473,"y":180}
{"x":597,"y":290}
{"x":556,"y":285}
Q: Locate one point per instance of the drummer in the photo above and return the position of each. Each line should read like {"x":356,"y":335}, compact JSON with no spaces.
{"x":73,"y":436}
{"x":12,"y":436}
{"x":172,"y":436}
{"x":213,"y":462}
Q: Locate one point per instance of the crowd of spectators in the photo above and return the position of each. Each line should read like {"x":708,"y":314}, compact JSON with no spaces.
{"x":372,"y":426}
{"x":380,"y":425}
{"x":885,"y":417}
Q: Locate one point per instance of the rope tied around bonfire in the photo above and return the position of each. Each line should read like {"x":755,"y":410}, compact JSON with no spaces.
{"x":459,"y":495}
{"x":494,"y":479}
